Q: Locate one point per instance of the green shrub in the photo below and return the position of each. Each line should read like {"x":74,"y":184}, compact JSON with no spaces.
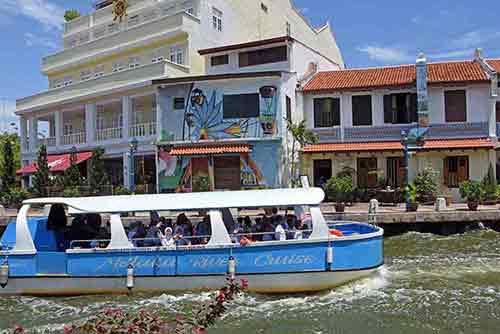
{"x":472,"y":191}
{"x":14,"y":197}
{"x":412,"y":193}
{"x":490,"y":185}
{"x":201,"y":183}
{"x":426,"y":186}
{"x":339,"y":189}
{"x":119,"y":190}
{"x":71,"y":192}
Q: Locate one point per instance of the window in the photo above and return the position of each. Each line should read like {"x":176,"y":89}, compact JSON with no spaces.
{"x":219,"y":60}
{"x":288,"y":102}
{"x":179,"y":103}
{"x":119,"y":66}
{"x":157,"y":56}
{"x":68,"y":129}
{"x":57,"y":83}
{"x":498,"y":112}
{"x":400,"y":108}
{"x":326,"y":112}
{"x":456,"y":171}
{"x":455,"y":105}
{"x":264,"y":7}
{"x":395,"y":172}
{"x":67,"y":81}
{"x":85,"y":75}
{"x":134,"y":62}
{"x":217,"y":19}
{"x":99,"y":71}
{"x":265,"y":56}
{"x":362,"y":110}
{"x":367,"y":172}
{"x":177,"y":55}
{"x":241,"y":106}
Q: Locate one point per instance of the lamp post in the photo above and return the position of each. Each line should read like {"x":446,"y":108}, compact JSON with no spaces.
{"x":133,"y":149}
{"x":404,"y":142}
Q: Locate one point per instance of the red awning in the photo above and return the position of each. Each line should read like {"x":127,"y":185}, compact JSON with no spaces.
{"x":210,"y":149}
{"x":57,"y":163}
{"x":430,"y":144}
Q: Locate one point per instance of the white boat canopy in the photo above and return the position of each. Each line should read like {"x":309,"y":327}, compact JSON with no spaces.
{"x":189,"y":201}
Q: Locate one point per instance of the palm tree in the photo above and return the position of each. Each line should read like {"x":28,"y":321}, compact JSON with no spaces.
{"x":301,"y":136}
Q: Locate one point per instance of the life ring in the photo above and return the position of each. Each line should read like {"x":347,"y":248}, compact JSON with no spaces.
{"x":336,"y":233}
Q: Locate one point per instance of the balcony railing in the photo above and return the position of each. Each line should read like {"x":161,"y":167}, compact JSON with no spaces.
{"x":109,"y":134}
{"x":74,"y":138}
{"x":143,"y":130}
{"x":48,"y":142}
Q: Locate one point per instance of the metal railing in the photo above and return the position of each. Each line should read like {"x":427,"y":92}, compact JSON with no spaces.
{"x":109,"y":134}
{"x":49,"y":142}
{"x":143,"y":129}
{"x":74,"y":138}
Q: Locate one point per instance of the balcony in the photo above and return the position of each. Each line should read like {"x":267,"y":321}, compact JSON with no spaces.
{"x":143,"y":130}
{"x":48,"y":142}
{"x":98,"y":86}
{"x":109,"y":134}
{"x":73,"y":139}
{"x":111,"y":38}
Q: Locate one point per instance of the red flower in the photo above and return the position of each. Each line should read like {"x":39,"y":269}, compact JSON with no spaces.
{"x":19,"y":330}
{"x":68,"y":329}
{"x":244,"y":284}
{"x":221,"y":297}
{"x":199,"y":330}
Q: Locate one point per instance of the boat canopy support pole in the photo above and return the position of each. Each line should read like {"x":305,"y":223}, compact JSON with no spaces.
{"x":220,"y":236}
{"x":320,"y":227}
{"x":24,"y":240}
{"x":119,"y":238}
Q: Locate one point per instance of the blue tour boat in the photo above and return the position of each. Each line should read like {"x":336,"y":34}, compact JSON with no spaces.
{"x":33,"y":262}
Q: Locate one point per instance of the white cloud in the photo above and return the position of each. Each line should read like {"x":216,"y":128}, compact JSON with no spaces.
{"x":385,"y":54}
{"x":34,"y":40}
{"x":475,"y":38}
{"x":49,"y":15}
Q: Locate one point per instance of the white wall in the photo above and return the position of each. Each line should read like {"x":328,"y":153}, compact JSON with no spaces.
{"x":302,"y":56}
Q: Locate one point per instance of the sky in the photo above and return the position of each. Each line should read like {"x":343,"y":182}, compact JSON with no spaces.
{"x":369,"y":33}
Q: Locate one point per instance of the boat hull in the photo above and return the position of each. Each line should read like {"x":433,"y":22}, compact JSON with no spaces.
{"x":258,"y":283}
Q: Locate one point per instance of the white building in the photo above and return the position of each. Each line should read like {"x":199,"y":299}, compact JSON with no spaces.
{"x":100,"y":91}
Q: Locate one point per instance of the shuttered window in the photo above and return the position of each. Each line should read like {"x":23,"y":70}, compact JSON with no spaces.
{"x":265,"y":56}
{"x":395,"y":172}
{"x":400,"y":108}
{"x":367,"y":173}
{"x":456,"y":171}
{"x":326,"y":112}
{"x":455,"y":104}
{"x":361,"y":110}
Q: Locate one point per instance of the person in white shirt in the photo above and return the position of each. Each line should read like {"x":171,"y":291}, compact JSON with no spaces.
{"x":280,"y":233}
{"x":167,"y":239}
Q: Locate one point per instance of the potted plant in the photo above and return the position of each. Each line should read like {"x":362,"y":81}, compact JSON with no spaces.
{"x":426,"y":186}
{"x":473,"y":192}
{"x":412,"y":204}
{"x":490,"y":187}
{"x":339,"y":189}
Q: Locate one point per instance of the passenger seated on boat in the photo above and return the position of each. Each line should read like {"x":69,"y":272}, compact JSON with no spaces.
{"x":280,"y":232}
{"x":183,"y":230}
{"x":85,"y":228}
{"x":268,"y":229}
{"x":257,"y":228}
{"x":57,"y":222}
{"x":152,"y":235}
{"x":137,"y":234}
{"x":167,"y":239}
{"x":297,"y":231}
{"x":203,"y":230}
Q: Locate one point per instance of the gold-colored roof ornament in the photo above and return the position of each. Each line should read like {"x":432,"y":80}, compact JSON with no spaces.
{"x":120,"y":9}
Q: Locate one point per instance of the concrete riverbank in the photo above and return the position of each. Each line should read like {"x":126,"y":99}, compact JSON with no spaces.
{"x":394,"y":219}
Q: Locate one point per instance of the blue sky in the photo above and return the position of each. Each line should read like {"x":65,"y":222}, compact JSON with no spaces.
{"x":369,"y":33}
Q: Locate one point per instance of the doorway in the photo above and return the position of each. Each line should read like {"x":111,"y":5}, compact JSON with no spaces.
{"x":322,"y":172}
{"x":227,"y":173}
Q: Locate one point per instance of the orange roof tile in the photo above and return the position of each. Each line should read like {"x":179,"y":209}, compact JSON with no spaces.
{"x":431,"y":144}
{"x":210,"y":149}
{"x":396,"y":76}
{"x":495,"y":63}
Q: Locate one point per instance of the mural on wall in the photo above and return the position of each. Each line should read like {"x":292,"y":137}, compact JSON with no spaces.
{"x":204,"y":120}
{"x":204,"y":117}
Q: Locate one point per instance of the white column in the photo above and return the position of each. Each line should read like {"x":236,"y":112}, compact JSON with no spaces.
{"x":58,"y":119}
{"x":492,"y":118}
{"x":127,"y":115}
{"x":90,"y":124}
{"x":33,"y":134}
{"x":23,"y":133}
{"x":159,"y":114}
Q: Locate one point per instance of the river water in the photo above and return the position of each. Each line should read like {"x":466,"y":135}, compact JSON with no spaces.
{"x":430,"y":284}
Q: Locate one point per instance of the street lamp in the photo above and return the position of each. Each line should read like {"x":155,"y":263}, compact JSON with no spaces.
{"x":404,"y":142}
{"x":133,"y":149}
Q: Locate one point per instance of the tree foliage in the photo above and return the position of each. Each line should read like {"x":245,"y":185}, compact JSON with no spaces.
{"x":490,"y":184}
{"x":97,"y":171}
{"x":41,"y":178}
{"x":71,"y":14}
{"x":8,"y":171}
{"x":301,"y":136}
{"x":72,"y":176}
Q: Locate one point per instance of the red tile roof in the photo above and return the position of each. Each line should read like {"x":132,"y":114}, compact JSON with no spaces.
{"x":252,"y":44}
{"x":57,"y":163}
{"x":396,"y":76}
{"x":431,"y":144}
{"x":210,"y":149}
{"x":495,"y":63}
